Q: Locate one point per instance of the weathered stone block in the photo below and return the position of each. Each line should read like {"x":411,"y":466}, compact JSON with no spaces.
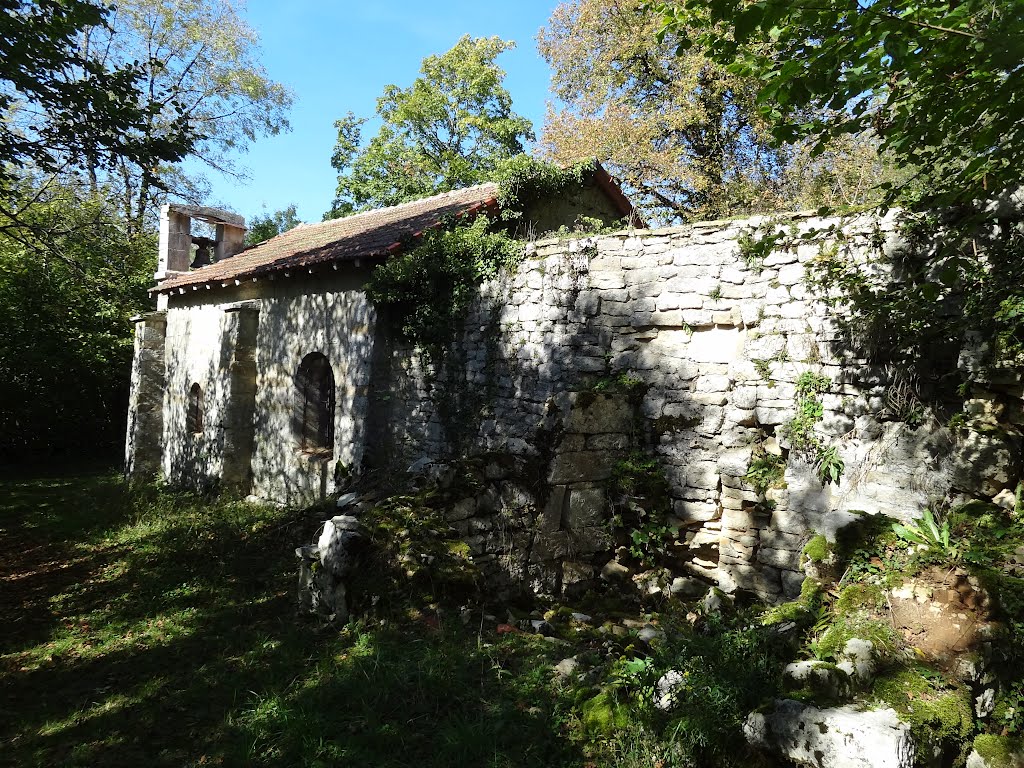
{"x":837,"y":737}
{"x":602,"y":414}
{"x":587,"y":507}
{"x":702,"y":474}
{"x":695,"y":511}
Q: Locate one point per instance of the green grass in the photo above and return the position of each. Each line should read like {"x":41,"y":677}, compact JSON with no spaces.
{"x":160,"y":629}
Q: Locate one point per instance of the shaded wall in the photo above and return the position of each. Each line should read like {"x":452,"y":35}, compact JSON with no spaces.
{"x":720,"y":341}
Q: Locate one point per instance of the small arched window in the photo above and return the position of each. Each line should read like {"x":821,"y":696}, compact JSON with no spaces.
{"x":313,"y":412}
{"x":194,"y":416}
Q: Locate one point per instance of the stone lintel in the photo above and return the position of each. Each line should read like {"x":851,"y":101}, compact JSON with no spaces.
{"x":146,"y":317}
{"x":250,"y":305}
{"x":209,"y":215}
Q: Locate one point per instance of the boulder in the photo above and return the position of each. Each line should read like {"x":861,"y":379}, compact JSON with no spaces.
{"x":984,"y":463}
{"x":832,"y":737}
{"x":825,"y":680}
{"x":338,"y":543}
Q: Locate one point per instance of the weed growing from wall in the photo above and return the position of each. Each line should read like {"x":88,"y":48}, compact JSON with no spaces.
{"x":800,"y":429}
{"x":755,"y":246}
{"x":640,"y":494}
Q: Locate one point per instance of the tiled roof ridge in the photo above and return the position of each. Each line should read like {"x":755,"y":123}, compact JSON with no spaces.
{"x":479,"y":197}
{"x":307,"y":225}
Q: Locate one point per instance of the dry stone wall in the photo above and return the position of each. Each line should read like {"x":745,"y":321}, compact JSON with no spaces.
{"x":685,"y":345}
{"x":717,"y":341}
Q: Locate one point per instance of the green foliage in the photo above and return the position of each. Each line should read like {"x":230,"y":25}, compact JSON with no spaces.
{"x":523,"y":180}
{"x":680,"y":132}
{"x":431,"y":286}
{"x":764,"y":370}
{"x":448,"y":130}
{"x":800,"y":432}
{"x":927,"y":533}
{"x":766,"y":471}
{"x":268,"y":225}
{"x":937,"y":82}
{"x":62,"y":103}
{"x":622,"y":383}
{"x":1008,"y":713}
{"x":755,"y":247}
{"x":640,"y":493}
{"x":829,"y":464}
{"x":67,"y":296}
{"x":729,"y":666}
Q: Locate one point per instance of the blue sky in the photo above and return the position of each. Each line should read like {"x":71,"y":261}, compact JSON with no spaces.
{"x":338,"y":56}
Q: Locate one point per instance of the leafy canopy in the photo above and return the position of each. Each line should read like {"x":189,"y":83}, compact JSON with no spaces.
{"x":268,"y":225}
{"x":66,"y":339}
{"x":681,"y":132}
{"x":202,"y":60}
{"x":941,"y":83}
{"x":447,"y":130}
{"x":60,"y":105}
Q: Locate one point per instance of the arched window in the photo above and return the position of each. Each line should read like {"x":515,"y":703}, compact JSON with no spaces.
{"x":313,"y":413}
{"x":194,"y":416}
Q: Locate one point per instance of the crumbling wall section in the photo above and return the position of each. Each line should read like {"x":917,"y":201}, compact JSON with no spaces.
{"x":718,"y":336}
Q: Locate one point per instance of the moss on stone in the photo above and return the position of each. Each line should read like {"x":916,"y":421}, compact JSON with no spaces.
{"x":795,"y":610}
{"x":857,"y":596}
{"x":604,"y":714}
{"x":858,"y":624}
{"x":935,"y":712}
{"x":999,"y":751}
{"x":810,"y":591}
{"x":818,"y":549}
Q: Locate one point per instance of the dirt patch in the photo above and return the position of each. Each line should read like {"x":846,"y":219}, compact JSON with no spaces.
{"x":942,"y":613}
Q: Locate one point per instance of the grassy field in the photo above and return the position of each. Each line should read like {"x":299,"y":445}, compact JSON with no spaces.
{"x":160,"y":629}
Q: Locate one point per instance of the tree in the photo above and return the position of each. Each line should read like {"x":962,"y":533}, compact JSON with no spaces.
{"x":266,"y":226}
{"x":66,"y":338}
{"x":202,"y":60}
{"x":449,"y":129}
{"x":682,"y":133}
{"x":940,"y":83}
{"x":60,"y":104}
{"x":62,"y":108}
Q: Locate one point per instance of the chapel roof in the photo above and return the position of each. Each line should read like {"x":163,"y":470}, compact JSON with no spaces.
{"x":370,"y":235}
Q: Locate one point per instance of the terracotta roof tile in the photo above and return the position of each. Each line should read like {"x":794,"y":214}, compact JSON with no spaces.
{"x":362,"y":235}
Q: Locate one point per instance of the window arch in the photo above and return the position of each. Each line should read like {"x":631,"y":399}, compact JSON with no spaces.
{"x":313,"y":412}
{"x":194,"y":415}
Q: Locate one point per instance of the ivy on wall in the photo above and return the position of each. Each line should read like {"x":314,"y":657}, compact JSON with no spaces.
{"x":430,"y":287}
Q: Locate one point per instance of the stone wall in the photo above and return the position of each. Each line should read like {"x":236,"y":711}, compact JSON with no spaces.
{"x":243,"y":345}
{"x":720,"y":344}
{"x":711,"y":339}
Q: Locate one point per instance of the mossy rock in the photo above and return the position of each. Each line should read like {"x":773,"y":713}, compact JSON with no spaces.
{"x":858,"y":596}
{"x":818,"y":550}
{"x":797,"y":610}
{"x":855,"y":625}
{"x":604,"y":714}
{"x":999,"y":751}
{"x":936,"y":713}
